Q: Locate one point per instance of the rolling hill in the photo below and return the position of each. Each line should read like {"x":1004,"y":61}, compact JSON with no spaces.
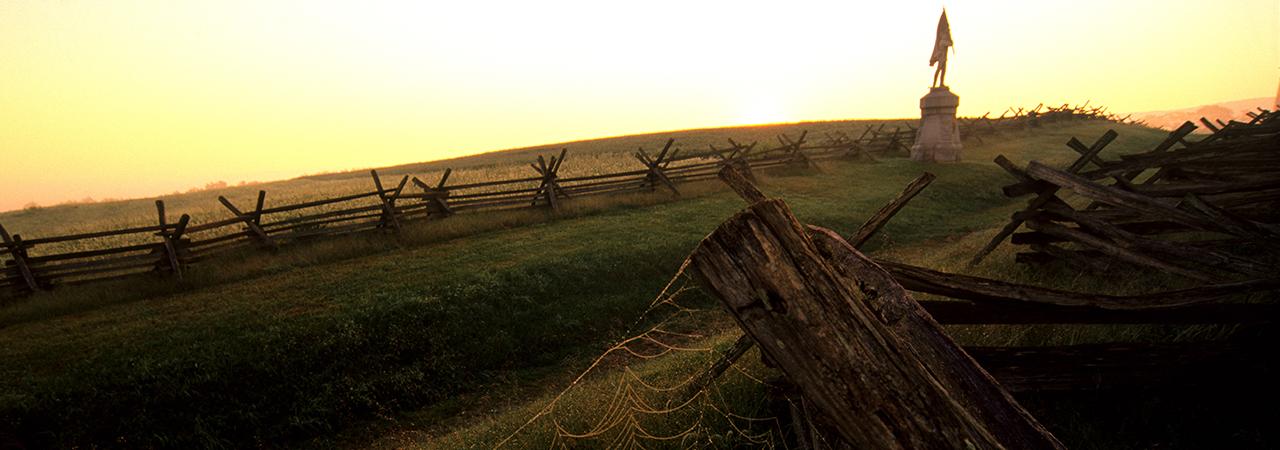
{"x":455,"y":341}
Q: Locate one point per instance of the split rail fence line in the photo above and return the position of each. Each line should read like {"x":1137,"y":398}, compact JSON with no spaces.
{"x":176,"y":244}
{"x":1204,"y":210}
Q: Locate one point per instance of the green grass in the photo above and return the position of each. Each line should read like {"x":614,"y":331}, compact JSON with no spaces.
{"x":316,"y":341}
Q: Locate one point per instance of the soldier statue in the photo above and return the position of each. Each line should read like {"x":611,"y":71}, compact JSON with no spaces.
{"x":940,"y":47}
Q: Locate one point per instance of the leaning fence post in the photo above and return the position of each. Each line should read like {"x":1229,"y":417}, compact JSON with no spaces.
{"x":253,"y":221}
{"x":19,"y":253}
{"x":549,"y":188}
{"x":389,"y":219}
{"x":1044,"y":195}
{"x":656,"y":167}
{"x":171,"y":240}
{"x":868,"y":383}
{"x":437,"y":197}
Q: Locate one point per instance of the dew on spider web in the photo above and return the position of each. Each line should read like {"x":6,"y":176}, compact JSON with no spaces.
{"x":643,"y":407}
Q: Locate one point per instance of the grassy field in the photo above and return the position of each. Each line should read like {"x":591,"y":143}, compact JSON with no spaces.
{"x":453,"y":337}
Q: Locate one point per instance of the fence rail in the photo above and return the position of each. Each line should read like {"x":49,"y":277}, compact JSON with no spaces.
{"x":173,"y":245}
{"x":1203,"y":210}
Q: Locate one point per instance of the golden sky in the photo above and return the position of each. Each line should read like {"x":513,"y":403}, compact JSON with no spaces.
{"x":127,"y":98}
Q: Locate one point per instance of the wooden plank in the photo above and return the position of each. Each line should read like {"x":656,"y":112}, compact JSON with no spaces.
{"x":493,"y":183}
{"x":979,"y":313}
{"x":1117,"y":251}
{"x":1206,"y":188}
{"x":206,"y":252}
{"x":169,"y":254}
{"x":601,"y":190}
{"x":118,"y":263}
{"x":324,"y":215}
{"x":1161,"y":250}
{"x":655,"y":171}
{"x":322,"y":222}
{"x":868,"y":384}
{"x":312,"y":204}
{"x":1088,"y":155}
{"x":346,"y":229}
{"x":629,"y":173}
{"x":219,"y":239}
{"x":139,"y":267}
{"x":978,"y":289}
{"x":191,"y":229}
{"x":741,"y":185}
{"x":389,"y":219}
{"x":54,"y":268}
{"x":1233,"y":223}
{"x":92,"y":235}
{"x":251,"y":221}
{"x":1175,"y":137}
{"x":968,"y":383}
{"x":1198,"y":154}
{"x":886,"y":212}
{"x":1044,"y":197}
{"x":1209,"y":125}
{"x":36,"y":260}
{"x":18,"y":252}
{"x":1120,"y":198}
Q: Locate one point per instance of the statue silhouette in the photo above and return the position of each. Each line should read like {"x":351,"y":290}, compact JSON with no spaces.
{"x":940,"y":46}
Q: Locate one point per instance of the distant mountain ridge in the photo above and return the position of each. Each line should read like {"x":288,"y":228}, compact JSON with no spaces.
{"x":1233,"y":110}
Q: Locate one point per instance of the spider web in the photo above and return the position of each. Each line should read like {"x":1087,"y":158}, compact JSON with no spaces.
{"x":643,"y":407}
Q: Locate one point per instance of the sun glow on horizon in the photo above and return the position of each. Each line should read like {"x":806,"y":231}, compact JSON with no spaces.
{"x":131,"y":98}
{"x":761,"y":110}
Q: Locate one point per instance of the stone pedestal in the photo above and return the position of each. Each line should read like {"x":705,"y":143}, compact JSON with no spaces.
{"x":938,"y":138}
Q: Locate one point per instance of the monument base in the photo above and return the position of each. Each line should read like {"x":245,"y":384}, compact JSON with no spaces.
{"x":938,"y":139}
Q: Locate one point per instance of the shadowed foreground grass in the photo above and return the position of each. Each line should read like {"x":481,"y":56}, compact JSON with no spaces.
{"x":268,"y":350}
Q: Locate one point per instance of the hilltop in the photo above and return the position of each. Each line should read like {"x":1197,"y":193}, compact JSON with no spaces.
{"x":1224,"y":111}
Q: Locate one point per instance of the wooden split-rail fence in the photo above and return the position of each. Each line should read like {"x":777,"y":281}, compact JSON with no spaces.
{"x":853,"y":343}
{"x":1023,"y":118}
{"x":1201,"y":209}
{"x":169,"y":246}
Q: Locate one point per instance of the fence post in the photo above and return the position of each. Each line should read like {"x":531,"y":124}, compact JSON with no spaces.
{"x":19,"y":253}
{"x":437,"y":197}
{"x":171,"y":240}
{"x":253,"y":221}
{"x":549,"y":188}
{"x":389,"y":219}
{"x":792,"y":148}
{"x":656,"y":166}
{"x":737,"y":157}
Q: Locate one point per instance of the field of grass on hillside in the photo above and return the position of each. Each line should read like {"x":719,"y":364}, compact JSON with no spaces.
{"x":318,"y":346}
{"x":591,"y":157}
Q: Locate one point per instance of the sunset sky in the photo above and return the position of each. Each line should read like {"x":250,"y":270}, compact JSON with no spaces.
{"x":127,"y":98}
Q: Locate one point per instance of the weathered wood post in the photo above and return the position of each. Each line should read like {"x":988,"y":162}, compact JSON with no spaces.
{"x":657,"y":166}
{"x":829,"y":339}
{"x":796,"y":156}
{"x":19,"y":253}
{"x":549,"y":189}
{"x":253,"y":222}
{"x":390,"y":219}
{"x":437,"y":198}
{"x":973,"y":387}
{"x":881,"y":217}
{"x":171,"y":240}
{"x":853,"y":148}
{"x":737,"y":157}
